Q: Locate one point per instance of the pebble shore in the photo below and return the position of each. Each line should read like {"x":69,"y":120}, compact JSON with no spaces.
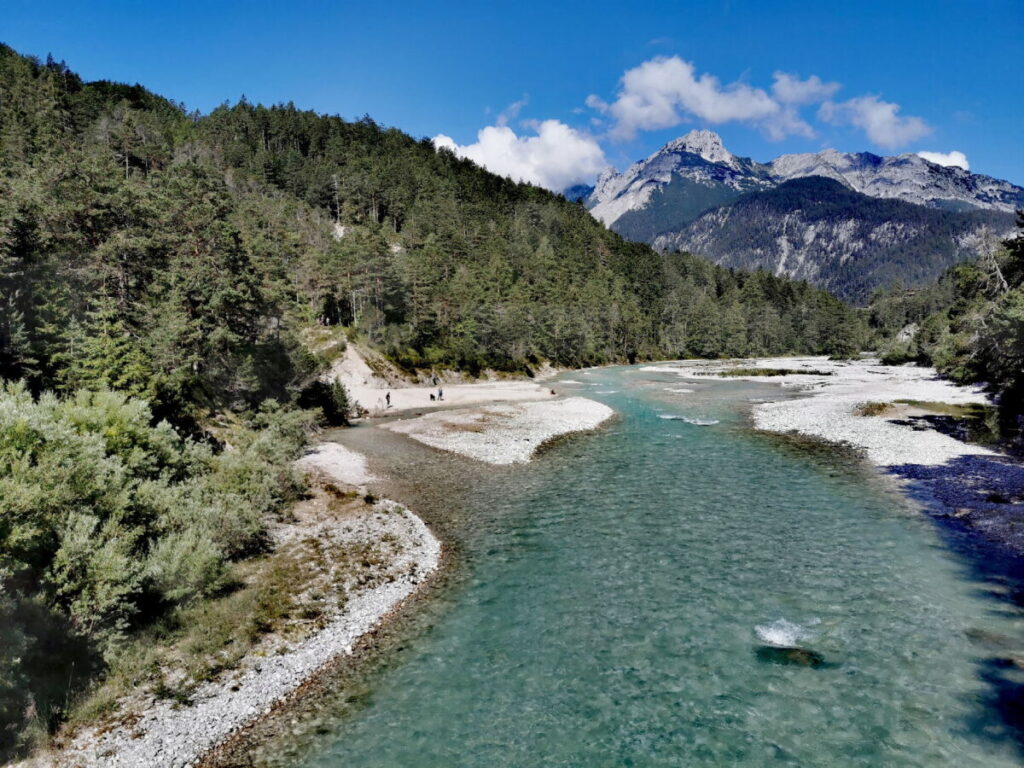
{"x":506,"y":433}
{"x":834,"y":390}
{"x":972,"y":488}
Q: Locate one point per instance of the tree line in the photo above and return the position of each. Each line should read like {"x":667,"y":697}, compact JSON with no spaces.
{"x":160,"y":271}
{"x":969,"y":325}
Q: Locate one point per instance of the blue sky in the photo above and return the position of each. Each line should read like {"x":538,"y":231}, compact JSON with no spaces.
{"x":546,"y":79}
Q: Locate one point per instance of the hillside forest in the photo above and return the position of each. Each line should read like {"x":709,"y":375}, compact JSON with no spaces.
{"x":166,"y":278}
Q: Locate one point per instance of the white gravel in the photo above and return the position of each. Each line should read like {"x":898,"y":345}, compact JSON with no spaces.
{"x":829,"y":409}
{"x":172,"y":736}
{"x":338,"y":463}
{"x":503,"y":433}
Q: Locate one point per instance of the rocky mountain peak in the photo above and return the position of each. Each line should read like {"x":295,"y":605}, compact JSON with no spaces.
{"x":707,"y":144}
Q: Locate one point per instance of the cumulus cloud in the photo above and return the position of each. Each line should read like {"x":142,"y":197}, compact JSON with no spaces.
{"x":880,"y":120}
{"x":667,"y":90}
{"x":959,"y":159}
{"x":790,"y":89}
{"x":556,"y":156}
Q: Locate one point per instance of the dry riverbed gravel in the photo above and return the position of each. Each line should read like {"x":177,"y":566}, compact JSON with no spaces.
{"x":504,"y":433}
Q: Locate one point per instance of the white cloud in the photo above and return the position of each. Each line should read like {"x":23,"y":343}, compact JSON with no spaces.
{"x":511,"y":112}
{"x":556,"y":157}
{"x":959,"y":159}
{"x":790,"y":89}
{"x":880,"y":120}
{"x":666,"y":91}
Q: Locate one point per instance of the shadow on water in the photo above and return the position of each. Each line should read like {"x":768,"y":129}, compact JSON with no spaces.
{"x":977,"y":504}
{"x":795,"y":657}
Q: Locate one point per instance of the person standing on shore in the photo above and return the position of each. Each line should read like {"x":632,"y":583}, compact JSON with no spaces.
{"x":440,"y":394}
{"x":387,"y":399}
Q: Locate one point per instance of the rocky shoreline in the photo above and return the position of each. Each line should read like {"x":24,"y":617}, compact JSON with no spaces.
{"x":158,"y":732}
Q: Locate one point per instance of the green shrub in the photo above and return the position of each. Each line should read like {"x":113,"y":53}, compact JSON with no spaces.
{"x":331,"y":398}
{"x":109,"y":520}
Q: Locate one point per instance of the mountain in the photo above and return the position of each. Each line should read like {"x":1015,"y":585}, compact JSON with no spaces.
{"x":905,"y":177}
{"x":819,"y":230}
{"x":694,"y":194}
{"x":578,"y":193}
{"x":672,"y":186}
{"x":701,"y":162}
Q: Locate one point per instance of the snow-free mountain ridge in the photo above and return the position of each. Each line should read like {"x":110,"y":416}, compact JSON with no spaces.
{"x":700,"y":157}
{"x":877,"y":221}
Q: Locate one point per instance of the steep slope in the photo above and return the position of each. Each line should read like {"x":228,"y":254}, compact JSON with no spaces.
{"x":183,"y":255}
{"x":818,"y":230}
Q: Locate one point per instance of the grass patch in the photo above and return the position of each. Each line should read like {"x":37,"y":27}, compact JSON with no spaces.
{"x":774,"y":372}
{"x":198,"y":642}
{"x":958,"y":410}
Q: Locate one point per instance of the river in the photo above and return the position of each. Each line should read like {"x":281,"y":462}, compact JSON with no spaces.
{"x":617,"y":600}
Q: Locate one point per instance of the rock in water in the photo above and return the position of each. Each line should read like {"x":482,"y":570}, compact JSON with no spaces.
{"x":799,"y":657}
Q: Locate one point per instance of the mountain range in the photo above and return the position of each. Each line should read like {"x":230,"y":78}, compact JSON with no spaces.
{"x":851,"y":222}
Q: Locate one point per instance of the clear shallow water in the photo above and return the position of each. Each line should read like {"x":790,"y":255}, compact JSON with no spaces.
{"x":619,"y":591}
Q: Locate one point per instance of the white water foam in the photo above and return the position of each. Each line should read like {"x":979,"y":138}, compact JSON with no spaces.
{"x":605,"y":391}
{"x":782,"y":633}
{"x":680,"y":390}
{"x":688,"y":420}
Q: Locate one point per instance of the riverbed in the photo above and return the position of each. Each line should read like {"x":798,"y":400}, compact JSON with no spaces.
{"x":619,"y":601}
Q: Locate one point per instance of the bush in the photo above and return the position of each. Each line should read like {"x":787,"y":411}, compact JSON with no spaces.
{"x":109,"y":519}
{"x":14,"y":696}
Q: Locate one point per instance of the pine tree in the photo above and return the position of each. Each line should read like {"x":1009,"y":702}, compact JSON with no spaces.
{"x":103,"y":354}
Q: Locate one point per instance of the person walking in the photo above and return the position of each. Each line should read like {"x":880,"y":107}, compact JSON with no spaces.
{"x":440,"y":394}
{"x":387,"y":399}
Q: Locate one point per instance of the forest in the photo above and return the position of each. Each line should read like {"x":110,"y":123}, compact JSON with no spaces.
{"x":969,"y":325}
{"x":160,"y":275}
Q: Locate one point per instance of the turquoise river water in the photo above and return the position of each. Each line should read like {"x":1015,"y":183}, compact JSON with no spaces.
{"x":618,"y":596}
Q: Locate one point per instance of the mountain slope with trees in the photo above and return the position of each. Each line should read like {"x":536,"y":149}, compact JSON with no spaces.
{"x":969,"y":325}
{"x":816,"y":229}
{"x":160,"y":274}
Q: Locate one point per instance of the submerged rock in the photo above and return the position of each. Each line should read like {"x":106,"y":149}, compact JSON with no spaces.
{"x":800,"y":657}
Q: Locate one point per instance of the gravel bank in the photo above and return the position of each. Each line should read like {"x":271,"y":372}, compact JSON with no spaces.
{"x":973,"y":489}
{"x":164,"y":734}
{"x":337,"y":463}
{"x":370,"y":389}
{"x":504,"y":433}
{"x":828,"y":411}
